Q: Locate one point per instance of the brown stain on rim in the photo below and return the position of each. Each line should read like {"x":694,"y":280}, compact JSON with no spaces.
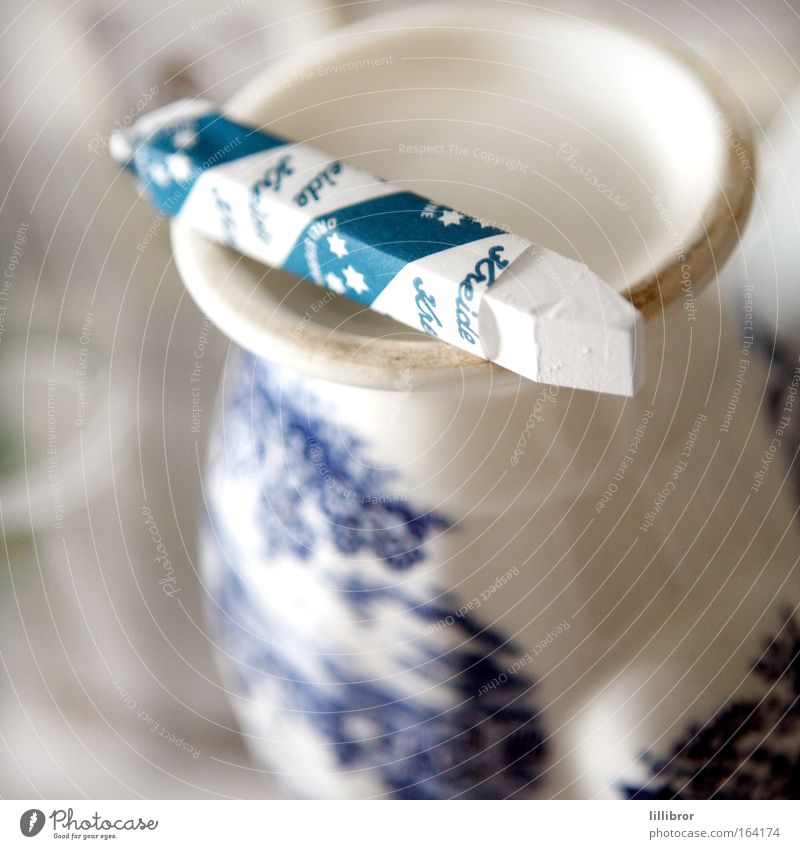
{"x":723,"y":222}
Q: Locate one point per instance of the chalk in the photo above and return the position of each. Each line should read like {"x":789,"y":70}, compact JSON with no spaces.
{"x":450,"y":275}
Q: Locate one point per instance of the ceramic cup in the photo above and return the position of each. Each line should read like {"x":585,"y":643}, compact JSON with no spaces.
{"x":429,"y":578}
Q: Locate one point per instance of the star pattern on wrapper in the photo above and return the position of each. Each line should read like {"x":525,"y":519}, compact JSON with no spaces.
{"x":184,"y":138}
{"x":160,"y":175}
{"x":180,"y":166}
{"x":334,"y":282}
{"x":337,"y":245}
{"x":450,"y":216}
{"x":355,"y":280}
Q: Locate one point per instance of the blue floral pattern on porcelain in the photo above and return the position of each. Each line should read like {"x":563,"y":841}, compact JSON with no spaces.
{"x":338,"y":638}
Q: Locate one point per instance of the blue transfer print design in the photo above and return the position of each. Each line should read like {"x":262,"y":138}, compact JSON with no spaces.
{"x":751,"y":748}
{"x":384,"y":678}
{"x":322,"y":475}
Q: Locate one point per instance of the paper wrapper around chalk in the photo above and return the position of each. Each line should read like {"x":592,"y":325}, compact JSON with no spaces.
{"x":431,"y":267}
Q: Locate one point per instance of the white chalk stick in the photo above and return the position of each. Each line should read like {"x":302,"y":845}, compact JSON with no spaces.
{"x":464,"y":281}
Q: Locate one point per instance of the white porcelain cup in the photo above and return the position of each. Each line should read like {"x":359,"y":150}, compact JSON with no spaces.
{"x":431,"y":578}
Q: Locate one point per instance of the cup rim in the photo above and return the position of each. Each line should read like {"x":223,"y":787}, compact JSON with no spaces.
{"x":252,"y":316}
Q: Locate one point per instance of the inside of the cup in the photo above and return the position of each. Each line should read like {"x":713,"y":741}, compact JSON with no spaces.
{"x":584,"y":139}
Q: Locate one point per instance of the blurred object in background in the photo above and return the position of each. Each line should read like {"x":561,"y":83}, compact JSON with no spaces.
{"x":107,"y":688}
{"x":769,"y":258}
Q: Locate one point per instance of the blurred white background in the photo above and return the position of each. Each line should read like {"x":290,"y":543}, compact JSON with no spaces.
{"x":107,"y":687}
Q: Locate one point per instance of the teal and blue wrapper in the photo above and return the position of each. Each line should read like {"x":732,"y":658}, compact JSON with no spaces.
{"x":294,"y":207}
{"x":291,"y":206}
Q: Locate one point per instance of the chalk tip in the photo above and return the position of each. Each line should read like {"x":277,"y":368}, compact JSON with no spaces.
{"x":554,"y":321}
